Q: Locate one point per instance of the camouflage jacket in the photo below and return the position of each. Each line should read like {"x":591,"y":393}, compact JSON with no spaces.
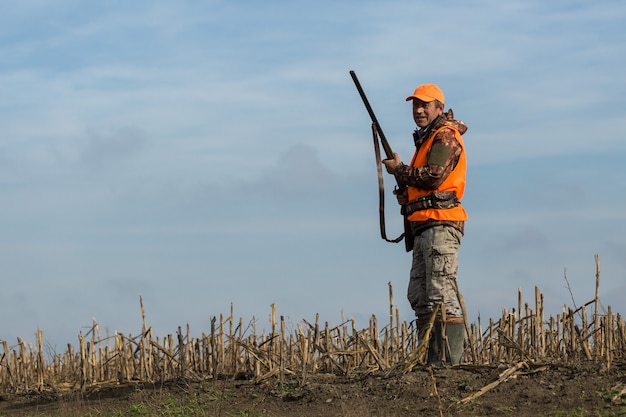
{"x":432,"y":175}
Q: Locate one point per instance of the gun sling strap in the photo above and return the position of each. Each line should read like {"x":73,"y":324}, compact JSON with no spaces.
{"x":381,"y":190}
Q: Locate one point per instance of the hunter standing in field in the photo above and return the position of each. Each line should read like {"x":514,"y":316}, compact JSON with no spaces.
{"x":436,"y":182}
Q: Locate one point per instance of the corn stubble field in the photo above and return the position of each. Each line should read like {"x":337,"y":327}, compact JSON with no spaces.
{"x":523,"y":363}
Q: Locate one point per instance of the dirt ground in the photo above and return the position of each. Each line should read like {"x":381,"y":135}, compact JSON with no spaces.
{"x":587,"y":389}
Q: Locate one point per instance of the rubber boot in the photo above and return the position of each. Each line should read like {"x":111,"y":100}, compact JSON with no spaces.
{"x":435,"y":346}
{"x":455,"y":335}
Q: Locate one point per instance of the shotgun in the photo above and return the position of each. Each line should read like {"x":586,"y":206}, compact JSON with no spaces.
{"x":379,"y":130}
{"x":401,"y":187}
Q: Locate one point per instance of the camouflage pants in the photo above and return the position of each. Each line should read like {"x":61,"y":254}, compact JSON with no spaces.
{"x":433,"y":272}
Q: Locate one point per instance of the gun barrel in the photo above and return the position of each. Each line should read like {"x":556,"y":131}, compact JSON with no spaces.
{"x":383,"y":139}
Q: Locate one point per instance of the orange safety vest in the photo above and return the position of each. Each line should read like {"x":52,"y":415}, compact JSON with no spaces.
{"x":454,"y":182}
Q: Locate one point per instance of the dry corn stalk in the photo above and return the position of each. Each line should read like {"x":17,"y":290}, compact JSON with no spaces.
{"x":503,"y":377}
{"x":417,"y":356}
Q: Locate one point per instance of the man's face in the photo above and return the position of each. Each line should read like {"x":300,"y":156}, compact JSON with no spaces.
{"x":425,"y":112}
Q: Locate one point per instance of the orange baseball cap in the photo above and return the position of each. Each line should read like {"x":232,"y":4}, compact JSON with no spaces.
{"x":427,"y":92}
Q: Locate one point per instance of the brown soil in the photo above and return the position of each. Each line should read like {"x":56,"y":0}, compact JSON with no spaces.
{"x":586,"y":389}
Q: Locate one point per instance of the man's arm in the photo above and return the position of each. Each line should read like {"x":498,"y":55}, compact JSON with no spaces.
{"x":442,"y":159}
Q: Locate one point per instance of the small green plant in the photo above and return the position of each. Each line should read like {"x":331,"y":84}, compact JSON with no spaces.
{"x":616,"y":395}
{"x":137,"y":410}
{"x":171,"y":408}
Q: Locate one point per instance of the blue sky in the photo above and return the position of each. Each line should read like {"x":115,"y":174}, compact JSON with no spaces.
{"x":203,"y":153}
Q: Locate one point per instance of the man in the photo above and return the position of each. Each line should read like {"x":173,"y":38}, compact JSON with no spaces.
{"x":436,"y":181}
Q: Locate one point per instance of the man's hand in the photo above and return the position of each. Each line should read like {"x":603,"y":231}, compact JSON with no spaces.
{"x":392,"y":164}
{"x":402,"y":197}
